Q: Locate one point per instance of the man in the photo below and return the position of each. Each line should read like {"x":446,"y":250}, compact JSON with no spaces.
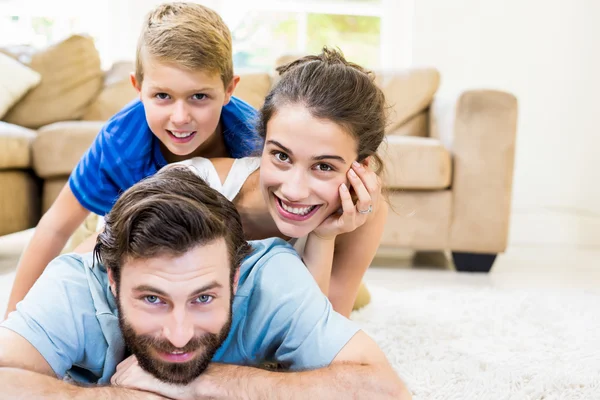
{"x":173,"y":282}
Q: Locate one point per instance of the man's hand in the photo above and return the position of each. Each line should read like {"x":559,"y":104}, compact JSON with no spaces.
{"x":130,"y":375}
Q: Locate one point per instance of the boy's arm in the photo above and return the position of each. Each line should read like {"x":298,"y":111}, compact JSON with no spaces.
{"x":51,"y":235}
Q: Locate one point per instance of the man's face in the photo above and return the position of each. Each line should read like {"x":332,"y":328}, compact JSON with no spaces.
{"x":175,"y":312}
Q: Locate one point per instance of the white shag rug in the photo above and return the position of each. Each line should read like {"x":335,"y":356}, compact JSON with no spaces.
{"x":458,"y":344}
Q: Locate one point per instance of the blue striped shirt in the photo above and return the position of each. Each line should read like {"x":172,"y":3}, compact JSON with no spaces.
{"x":126,"y":151}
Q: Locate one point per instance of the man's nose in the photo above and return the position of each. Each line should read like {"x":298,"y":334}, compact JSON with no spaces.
{"x":178,"y":330}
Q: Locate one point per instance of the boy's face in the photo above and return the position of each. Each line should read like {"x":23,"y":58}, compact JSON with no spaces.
{"x":183,"y":107}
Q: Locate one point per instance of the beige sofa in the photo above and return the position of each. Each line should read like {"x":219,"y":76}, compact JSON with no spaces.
{"x":449,"y":162}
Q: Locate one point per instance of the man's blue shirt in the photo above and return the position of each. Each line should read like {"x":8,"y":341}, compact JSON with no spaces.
{"x":279,"y":315}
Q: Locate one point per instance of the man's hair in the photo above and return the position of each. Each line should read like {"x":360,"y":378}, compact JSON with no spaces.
{"x":168,"y":214}
{"x":188,"y":35}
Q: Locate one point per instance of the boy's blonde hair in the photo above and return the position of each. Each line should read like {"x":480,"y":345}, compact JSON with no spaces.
{"x":189,"y":35}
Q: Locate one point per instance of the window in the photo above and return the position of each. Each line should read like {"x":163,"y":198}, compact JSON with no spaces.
{"x":365,"y":30}
{"x":39,"y":23}
{"x":373,"y":33}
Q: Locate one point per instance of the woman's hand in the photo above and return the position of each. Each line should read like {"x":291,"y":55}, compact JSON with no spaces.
{"x":367,"y":186}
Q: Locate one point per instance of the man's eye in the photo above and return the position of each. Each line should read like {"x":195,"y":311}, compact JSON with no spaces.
{"x":161,"y":96}
{"x":280,"y":156}
{"x":199,"y":96}
{"x":152,"y":299}
{"x":204,"y":299}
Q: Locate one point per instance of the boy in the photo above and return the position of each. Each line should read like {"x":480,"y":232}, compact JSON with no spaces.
{"x":184,"y":77}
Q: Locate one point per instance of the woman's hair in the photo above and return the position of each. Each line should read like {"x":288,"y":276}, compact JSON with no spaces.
{"x":332,"y":88}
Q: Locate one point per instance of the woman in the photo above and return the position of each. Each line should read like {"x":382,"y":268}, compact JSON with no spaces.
{"x":317,"y":178}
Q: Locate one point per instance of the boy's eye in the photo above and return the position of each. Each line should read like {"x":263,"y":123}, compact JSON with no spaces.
{"x":204,"y":299}
{"x":161,"y":96}
{"x":280,"y":156}
{"x":152,"y":299}
{"x":324,"y":167}
{"x":199,"y":96}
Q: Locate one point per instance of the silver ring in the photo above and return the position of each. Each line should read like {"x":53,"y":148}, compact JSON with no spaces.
{"x":367,"y":211}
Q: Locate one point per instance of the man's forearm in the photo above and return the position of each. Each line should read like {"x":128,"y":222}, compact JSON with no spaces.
{"x":337,"y":381}
{"x":23,"y":384}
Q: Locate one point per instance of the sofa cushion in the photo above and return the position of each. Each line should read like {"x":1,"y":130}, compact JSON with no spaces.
{"x":71,"y":79}
{"x":416,"y":163}
{"x":59,"y":146}
{"x":16,"y":79}
{"x":407,"y":92}
{"x":418,"y":125}
{"x":253,"y":88}
{"x":15,"y":146}
{"x":116,"y":93}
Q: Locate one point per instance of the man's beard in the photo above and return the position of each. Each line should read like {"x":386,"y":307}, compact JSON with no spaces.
{"x":142,"y":347}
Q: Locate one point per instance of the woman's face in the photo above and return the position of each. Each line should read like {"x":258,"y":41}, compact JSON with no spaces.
{"x":304,"y":162}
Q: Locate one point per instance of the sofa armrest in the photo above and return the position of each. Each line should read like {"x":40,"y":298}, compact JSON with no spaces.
{"x":479,"y":129}
{"x":15,"y":146}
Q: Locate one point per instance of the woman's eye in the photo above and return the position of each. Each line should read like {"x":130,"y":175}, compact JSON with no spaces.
{"x":281,"y":156}
{"x":324,"y":167}
{"x":199,"y":96}
{"x":152,"y":299}
{"x":161,"y":96}
{"x":204,"y":299}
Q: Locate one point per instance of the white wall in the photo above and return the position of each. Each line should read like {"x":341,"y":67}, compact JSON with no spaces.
{"x":546,"y":52}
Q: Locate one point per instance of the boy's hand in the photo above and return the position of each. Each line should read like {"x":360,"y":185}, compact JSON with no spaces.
{"x":367,"y":186}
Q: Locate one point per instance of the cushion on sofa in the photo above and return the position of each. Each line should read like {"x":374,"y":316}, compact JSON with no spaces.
{"x":407,"y":92}
{"x":418,"y":125}
{"x":116,"y":93}
{"x":59,"y":146}
{"x":15,"y":146}
{"x":16,"y":79}
{"x":416,"y":163}
{"x":253,"y":88}
{"x":71,"y":79}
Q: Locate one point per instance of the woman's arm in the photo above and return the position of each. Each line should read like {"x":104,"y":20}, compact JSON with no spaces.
{"x":341,"y":249}
{"x":354,"y":252}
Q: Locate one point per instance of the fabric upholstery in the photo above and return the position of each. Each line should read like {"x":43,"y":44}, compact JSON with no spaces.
{"x":16,"y":79}
{"x":71,"y":79}
{"x":15,"y":146}
{"x":59,"y":146}
{"x":416,"y":163}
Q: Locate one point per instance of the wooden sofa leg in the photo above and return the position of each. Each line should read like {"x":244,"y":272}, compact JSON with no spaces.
{"x":473,"y":262}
